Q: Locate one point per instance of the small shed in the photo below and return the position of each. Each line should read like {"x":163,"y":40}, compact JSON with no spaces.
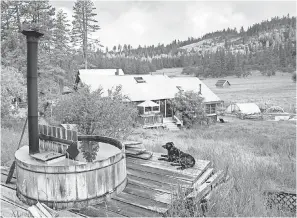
{"x":222,"y":83}
{"x":243,"y":108}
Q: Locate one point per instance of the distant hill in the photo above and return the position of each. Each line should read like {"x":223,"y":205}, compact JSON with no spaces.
{"x":266,"y":46}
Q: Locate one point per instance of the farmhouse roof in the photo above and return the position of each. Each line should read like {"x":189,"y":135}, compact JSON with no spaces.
{"x":148,"y":87}
{"x":100,"y":72}
{"x":222,"y":82}
{"x":192,"y":84}
{"x":136,"y":87}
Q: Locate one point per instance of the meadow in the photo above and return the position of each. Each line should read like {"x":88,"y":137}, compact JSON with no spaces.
{"x":278,"y":90}
{"x":258,"y":155}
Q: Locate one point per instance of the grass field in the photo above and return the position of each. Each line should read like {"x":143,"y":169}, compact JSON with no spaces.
{"x":277,"y":90}
{"x":265,"y":91}
{"x":259,"y":155}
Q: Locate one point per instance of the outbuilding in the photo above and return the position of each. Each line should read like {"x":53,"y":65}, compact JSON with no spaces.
{"x":222,"y":83}
{"x":243,"y":108}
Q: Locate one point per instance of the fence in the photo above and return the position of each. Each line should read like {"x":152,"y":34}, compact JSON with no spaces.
{"x":56,"y":139}
{"x":281,"y":200}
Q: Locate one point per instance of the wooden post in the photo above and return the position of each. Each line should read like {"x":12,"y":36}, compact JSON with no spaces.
{"x":165,"y":107}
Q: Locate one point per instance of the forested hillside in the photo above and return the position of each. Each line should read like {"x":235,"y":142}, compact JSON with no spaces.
{"x":68,"y":46}
{"x":267,"y":46}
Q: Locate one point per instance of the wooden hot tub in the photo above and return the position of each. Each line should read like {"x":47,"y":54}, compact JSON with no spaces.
{"x":72,"y":183}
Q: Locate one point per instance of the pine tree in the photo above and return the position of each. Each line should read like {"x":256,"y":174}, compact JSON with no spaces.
{"x":84,"y":24}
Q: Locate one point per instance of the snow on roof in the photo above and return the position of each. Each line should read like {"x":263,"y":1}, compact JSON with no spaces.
{"x":192,"y":84}
{"x":154,"y":88}
{"x":147,"y":87}
{"x":100,"y":72}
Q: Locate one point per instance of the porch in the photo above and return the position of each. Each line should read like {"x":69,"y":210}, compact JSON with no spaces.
{"x":151,"y":114}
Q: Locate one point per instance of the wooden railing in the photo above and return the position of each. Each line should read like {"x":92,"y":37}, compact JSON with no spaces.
{"x":56,"y":139}
{"x":177,"y":121}
{"x":150,"y":119}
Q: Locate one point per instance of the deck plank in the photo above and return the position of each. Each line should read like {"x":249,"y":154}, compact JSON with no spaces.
{"x":142,"y":202}
{"x":11,"y":210}
{"x":99,"y":211}
{"x":125,"y":209}
{"x":206,"y":187}
{"x":134,"y":170}
{"x":190,"y":174}
{"x":138,"y":190}
{"x":151,"y":184}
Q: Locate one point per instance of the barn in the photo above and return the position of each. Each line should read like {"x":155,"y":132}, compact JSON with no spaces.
{"x":222,"y":83}
{"x":150,"y":93}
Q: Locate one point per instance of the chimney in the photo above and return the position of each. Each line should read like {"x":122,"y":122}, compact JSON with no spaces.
{"x":200,"y":89}
{"x":32,"y":91}
{"x":117,"y":72}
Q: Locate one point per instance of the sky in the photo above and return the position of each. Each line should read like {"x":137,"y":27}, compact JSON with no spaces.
{"x":152,"y":22}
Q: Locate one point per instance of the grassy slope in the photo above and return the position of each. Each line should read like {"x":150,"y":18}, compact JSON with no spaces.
{"x":259,"y":156}
{"x":277,"y":90}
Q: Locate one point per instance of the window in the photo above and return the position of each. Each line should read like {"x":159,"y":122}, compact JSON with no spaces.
{"x":210,"y":108}
{"x":139,"y":79}
{"x":156,"y":108}
{"x":148,"y":109}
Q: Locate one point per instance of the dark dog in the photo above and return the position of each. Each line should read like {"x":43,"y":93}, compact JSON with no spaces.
{"x":177,"y":157}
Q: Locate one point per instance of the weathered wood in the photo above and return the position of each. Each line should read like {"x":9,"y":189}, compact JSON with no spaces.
{"x":155,"y":177}
{"x":9,"y":194}
{"x":189,"y":173}
{"x":54,"y":139}
{"x":142,"y":202}
{"x":11,"y":210}
{"x":206,"y":187}
{"x":151,"y":184}
{"x":203,"y":178}
{"x":93,"y":211}
{"x":200,"y":164}
{"x":162,"y":173}
{"x":144,"y":192}
{"x":69,"y":185}
{"x":43,"y":210}
{"x":126,"y":209}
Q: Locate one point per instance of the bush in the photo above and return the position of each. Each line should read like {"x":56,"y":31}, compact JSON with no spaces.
{"x":95,"y":114}
{"x":189,"y":106}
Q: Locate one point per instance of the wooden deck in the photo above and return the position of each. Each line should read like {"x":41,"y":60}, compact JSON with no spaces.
{"x":149,"y":193}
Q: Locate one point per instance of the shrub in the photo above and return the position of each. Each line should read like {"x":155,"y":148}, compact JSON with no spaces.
{"x":189,"y":106}
{"x":94,"y":114}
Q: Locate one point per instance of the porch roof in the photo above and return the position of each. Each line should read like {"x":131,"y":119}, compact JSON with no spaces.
{"x":148,"y":103}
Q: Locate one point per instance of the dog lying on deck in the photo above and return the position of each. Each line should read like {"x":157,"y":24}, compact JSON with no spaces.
{"x":177,"y":157}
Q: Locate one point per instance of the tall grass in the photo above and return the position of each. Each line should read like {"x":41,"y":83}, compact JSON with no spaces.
{"x":258,"y":155}
{"x":11,"y":130}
